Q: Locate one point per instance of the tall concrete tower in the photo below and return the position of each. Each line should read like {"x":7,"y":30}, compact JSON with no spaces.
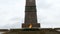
{"x":30,"y":15}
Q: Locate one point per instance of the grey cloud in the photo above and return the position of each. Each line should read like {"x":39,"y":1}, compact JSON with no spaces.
{"x":10,"y":26}
{"x":13,"y":23}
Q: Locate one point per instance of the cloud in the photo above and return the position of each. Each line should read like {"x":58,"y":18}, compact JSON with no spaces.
{"x":13,"y":23}
{"x":49,"y":12}
{"x":10,"y":10}
{"x":12,"y":13}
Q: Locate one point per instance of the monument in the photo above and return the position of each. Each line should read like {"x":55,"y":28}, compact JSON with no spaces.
{"x":30,"y":15}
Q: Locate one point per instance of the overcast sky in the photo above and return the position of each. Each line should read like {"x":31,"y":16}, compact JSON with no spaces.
{"x":12,"y":13}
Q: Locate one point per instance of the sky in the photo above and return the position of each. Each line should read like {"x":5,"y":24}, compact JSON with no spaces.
{"x":12,"y":13}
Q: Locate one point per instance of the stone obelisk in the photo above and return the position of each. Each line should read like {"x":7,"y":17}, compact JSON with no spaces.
{"x":30,"y":15}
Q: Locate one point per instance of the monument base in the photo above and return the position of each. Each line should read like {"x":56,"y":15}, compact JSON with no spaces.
{"x":32,"y":31}
{"x":34,"y":25}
